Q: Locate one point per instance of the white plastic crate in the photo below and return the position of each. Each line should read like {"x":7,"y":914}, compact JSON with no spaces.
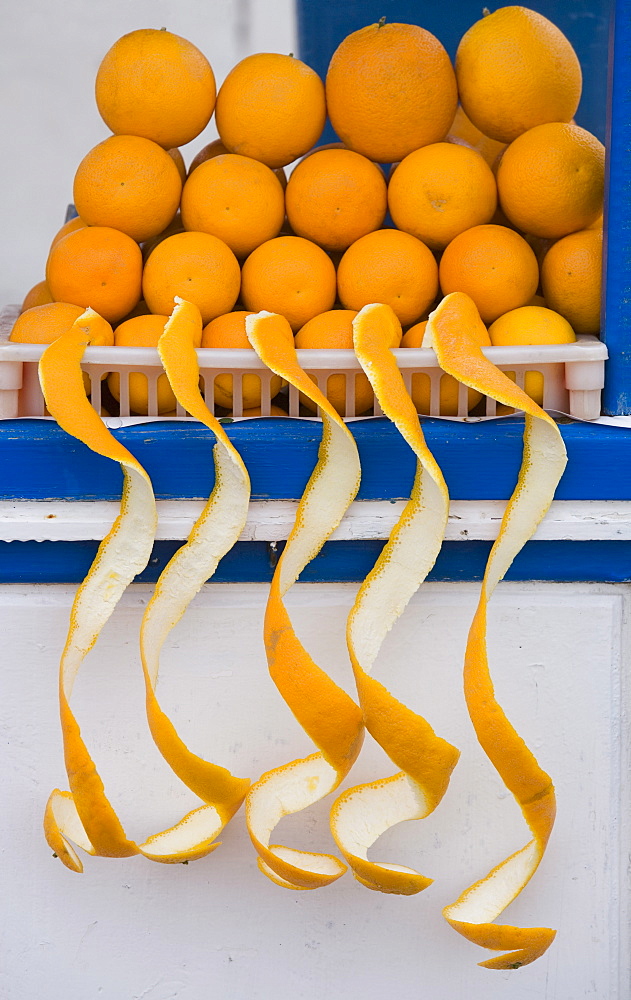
{"x":573,"y":374}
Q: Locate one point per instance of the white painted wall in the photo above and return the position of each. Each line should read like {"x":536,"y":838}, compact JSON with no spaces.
{"x":130,"y":929}
{"x":49,"y":55}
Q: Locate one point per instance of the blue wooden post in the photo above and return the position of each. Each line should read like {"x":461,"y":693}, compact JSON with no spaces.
{"x":617,"y":267}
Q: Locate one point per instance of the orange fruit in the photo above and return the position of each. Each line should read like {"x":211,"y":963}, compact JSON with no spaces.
{"x":334,"y":329}
{"x":130,"y":184}
{"x":229,"y":331}
{"x":325,"y":145}
{"x":494,"y":266}
{"x":142,"y":331}
{"x":217,"y":148}
{"x":274,"y":411}
{"x":439,"y":191}
{"x":515,"y":70}
{"x":156,"y":85}
{"x":448,"y":391}
{"x":43,"y":324}
{"x":291,"y":276}
{"x":530,"y":325}
{"x":197,"y":267}
{"x":390,"y":88}
{"x":413,"y":337}
{"x":463,"y":132}
{"x":98,"y":267}
{"x":140,"y":309}
{"x":235,"y":198}
{"x":68,"y":227}
{"x":178,"y":159}
{"x":551,"y":180}
{"x":571,"y":278}
{"x":38,"y":295}
{"x":391,"y":267}
{"x":214,"y":148}
{"x":334,"y":196}
{"x":270,"y":107}
{"x":175,"y":226}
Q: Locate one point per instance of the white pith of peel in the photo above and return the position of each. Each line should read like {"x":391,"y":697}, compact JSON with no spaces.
{"x":213,"y":535}
{"x":361,"y":814}
{"x":328,"y":715}
{"x":543,"y":463}
{"x":84,"y":815}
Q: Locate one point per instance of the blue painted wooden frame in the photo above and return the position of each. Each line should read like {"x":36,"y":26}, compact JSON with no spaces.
{"x":38,"y":461}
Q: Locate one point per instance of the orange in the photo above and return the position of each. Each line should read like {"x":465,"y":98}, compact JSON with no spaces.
{"x":334,"y":329}
{"x":229,"y":331}
{"x":274,"y":411}
{"x":334,"y":196}
{"x":175,"y":226}
{"x":214,"y":148}
{"x":571,"y":278}
{"x":38,"y":295}
{"x":43,"y":324}
{"x":197,"y":267}
{"x":390,"y":88}
{"x":142,"y":331}
{"x":157,"y":85}
{"x":130,"y":184}
{"x":531,"y":325}
{"x":515,"y":70}
{"x":68,"y":227}
{"x":217,"y":148}
{"x":235,"y":198}
{"x":389,"y":267}
{"x":413,"y":337}
{"x":494,"y":266}
{"x":178,"y":159}
{"x":97,"y":267}
{"x":448,"y":392}
{"x":439,"y":191}
{"x":270,"y":107}
{"x":551,"y":180}
{"x":463,"y":132}
{"x":291,"y":276}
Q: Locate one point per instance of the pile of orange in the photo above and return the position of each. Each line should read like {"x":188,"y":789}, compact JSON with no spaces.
{"x":492,"y":189}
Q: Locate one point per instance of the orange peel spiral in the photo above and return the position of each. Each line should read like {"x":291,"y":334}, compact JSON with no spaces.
{"x":450,"y":331}
{"x":84,"y":816}
{"x":361,"y":814}
{"x":213,"y":535}
{"x":329,"y":716}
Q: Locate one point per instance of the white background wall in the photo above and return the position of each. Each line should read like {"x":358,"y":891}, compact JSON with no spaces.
{"x":134,"y":930}
{"x":49,"y":55}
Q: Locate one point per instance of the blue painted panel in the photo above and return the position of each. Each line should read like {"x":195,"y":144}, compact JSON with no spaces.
{"x":480,"y":461}
{"x":346,"y":562}
{"x":322,"y":24}
{"x":617,"y":266}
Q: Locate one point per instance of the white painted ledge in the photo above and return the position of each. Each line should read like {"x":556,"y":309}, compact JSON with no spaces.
{"x":272,"y":520}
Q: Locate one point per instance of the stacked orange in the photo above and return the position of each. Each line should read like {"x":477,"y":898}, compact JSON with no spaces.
{"x":493,"y":189}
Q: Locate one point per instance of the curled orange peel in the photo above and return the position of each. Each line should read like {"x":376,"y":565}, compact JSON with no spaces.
{"x":328,"y":715}
{"x":84,"y":816}
{"x":213,"y":535}
{"x":361,"y":814}
{"x":450,"y":331}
